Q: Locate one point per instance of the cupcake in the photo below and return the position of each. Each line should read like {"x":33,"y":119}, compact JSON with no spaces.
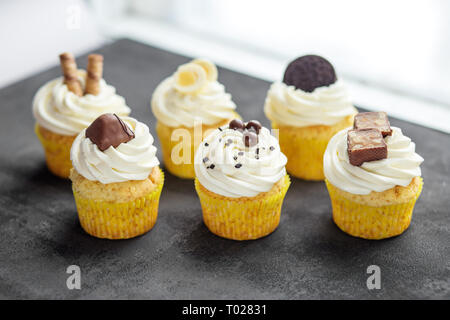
{"x":188,"y":105}
{"x":241,"y":180}
{"x":115,"y":177}
{"x":65,"y":106}
{"x":373,"y":176}
{"x":308,"y":108}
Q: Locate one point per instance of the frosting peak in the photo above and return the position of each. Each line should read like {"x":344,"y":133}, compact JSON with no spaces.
{"x":192,"y":94}
{"x":63,"y":112}
{"x":326,"y":105}
{"x":399,"y":168}
{"x":133,"y":160}
{"x":225,"y":164}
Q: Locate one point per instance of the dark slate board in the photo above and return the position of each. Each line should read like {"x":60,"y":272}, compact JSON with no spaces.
{"x":307,"y":257}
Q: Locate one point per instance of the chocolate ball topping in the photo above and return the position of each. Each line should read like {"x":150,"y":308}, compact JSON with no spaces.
{"x":253,"y":125}
{"x":109,"y":130}
{"x":309,"y":72}
{"x":236,"y":124}
{"x":250,"y":138}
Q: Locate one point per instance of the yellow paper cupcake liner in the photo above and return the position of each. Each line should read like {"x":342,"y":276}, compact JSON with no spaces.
{"x":304,"y":147}
{"x":181,"y":170}
{"x":57,"y":151}
{"x":184,"y":169}
{"x":305,"y":156}
{"x":119,"y":220}
{"x":242,"y":218}
{"x":370,"y":222}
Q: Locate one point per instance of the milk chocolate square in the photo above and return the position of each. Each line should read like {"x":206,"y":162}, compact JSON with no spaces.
{"x":373,"y":120}
{"x":365,"y":145}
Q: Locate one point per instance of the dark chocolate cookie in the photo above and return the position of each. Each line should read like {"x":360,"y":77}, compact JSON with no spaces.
{"x":309,"y":72}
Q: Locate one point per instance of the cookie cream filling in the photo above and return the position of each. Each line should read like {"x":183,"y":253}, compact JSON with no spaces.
{"x":61,"y":111}
{"x":225,"y":165}
{"x":398,"y":169}
{"x":326,"y":105}
{"x":133,"y":160}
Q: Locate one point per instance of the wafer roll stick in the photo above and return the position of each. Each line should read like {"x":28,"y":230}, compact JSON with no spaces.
{"x":70,"y":72}
{"x":94,"y":74}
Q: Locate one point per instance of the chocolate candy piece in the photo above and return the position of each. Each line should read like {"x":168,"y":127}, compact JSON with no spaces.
{"x":373,"y":120}
{"x":365,"y":145}
{"x":253,"y":125}
{"x":250,"y":138}
{"x":108,"y":130}
{"x":236,"y":124}
{"x":309,"y":72}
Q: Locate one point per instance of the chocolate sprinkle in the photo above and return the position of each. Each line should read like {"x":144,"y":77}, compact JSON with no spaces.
{"x":220,"y":129}
{"x":205,"y":159}
{"x":206,"y":144}
{"x":237,"y":166}
{"x":240,"y":153}
{"x":272,"y":148}
{"x":235,"y":158}
{"x":212,"y":166}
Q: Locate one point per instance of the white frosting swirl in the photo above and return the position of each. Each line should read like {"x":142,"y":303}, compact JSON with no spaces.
{"x":399,"y":168}
{"x":326,"y":105}
{"x":210,"y":105}
{"x":61,"y":111}
{"x":253,"y":177}
{"x":133,"y":160}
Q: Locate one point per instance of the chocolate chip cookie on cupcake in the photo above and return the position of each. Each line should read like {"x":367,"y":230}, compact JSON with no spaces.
{"x":373,"y":176}
{"x":116,"y":179}
{"x":308,"y":107}
{"x":65,"y":106}
{"x":241,"y":180}
{"x":188,"y":105}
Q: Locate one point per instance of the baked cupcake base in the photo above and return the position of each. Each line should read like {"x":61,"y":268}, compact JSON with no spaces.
{"x":182,"y":170}
{"x":57,"y":150}
{"x":244,"y":218}
{"x":378,"y":215}
{"x":304,"y":147}
{"x":117,"y":210}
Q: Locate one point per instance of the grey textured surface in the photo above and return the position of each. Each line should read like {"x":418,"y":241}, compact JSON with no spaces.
{"x":307,"y":256}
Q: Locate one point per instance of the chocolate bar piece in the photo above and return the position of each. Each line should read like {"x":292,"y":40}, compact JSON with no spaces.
{"x":108,"y":130}
{"x":365,"y":145}
{"x":373,"y":120}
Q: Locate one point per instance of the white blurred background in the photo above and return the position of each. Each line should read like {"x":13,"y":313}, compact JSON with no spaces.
{"x":394,"y":55}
